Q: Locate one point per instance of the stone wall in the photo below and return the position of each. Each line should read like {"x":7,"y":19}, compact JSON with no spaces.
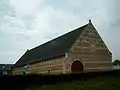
{"x":91,"y":62}
{"x":91,"y":50}
{"x":17,"y":70}
{"x":52,"y":66}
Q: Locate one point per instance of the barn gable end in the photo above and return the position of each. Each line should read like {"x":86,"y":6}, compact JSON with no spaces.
{"x":91,"y":41}
{"x":91,"y":50}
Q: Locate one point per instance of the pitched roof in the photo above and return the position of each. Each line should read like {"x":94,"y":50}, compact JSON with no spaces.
{"x":54,"y":48}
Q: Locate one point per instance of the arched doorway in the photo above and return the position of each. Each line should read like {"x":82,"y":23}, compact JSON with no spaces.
{"x":77,"y":67}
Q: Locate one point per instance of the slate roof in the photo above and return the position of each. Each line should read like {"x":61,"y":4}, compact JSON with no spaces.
{"x":5,"y":67}
{"x":54,"y":48}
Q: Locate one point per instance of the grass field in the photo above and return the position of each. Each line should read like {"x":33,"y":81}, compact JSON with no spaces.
{"x":97,"y":83}
{"x":108,"y":80}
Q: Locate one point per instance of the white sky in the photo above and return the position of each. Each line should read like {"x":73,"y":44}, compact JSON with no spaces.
{"x":25,"y":24}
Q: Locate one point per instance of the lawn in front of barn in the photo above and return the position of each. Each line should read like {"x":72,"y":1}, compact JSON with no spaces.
{"x":97,"y":83}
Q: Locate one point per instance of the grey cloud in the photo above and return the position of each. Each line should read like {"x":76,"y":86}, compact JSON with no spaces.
{"x":50,"y":35}
{"x":19,"y":32}
{"x":113,"y":26}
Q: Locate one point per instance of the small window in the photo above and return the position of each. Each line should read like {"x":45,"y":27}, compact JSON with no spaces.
{"x":84,"y":39}
{"x":101,"y":41}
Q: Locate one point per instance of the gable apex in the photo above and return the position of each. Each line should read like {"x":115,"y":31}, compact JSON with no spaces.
{"x":90,"y":21}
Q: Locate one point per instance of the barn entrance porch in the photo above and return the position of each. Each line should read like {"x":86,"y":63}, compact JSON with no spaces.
{"x":77,"y":67}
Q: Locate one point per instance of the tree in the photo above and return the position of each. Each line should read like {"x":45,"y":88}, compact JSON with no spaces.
{"x":116,"y":62}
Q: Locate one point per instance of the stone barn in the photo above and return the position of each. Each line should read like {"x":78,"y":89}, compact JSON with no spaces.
{"x":78,"y":51}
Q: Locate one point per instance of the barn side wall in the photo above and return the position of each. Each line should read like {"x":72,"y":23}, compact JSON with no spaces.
{"x":52,"y":66}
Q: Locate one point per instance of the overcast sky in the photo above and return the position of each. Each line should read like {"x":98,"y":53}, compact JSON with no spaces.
{"x":25,"y":24}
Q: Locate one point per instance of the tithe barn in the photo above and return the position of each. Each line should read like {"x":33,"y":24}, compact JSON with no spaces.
{"x":78,"y":51}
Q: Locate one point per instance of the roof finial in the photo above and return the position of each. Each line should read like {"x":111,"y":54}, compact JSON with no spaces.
{"x":89,"y":20}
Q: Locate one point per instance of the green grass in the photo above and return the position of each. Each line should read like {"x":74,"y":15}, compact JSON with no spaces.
{"x":98,"y":83}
